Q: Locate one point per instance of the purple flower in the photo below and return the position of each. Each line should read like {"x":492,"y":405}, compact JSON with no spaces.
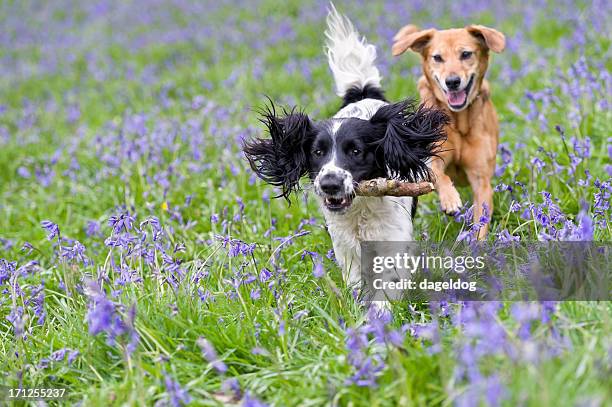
{"x":123,"y":221}
{"x":75,"y":252}
{"x":51,"y":228}
{"x":317,"y":269}
{"x":92,"y":229}
{"x":506,"y":156}
{"x":176,"y":394}
{"x":300,"y":314}
{"x":27,"y":248}
{"x":100,"y":316}
{"x":23,"y":172}
{"x":103,"y":315}
{"x":260,"y":351}
{"x":7,"y":268}
{"x":505,"y":237}
{"x":250,"y":401}
{"x":204,"y":296}
{"x":515,"y":206}
{"x":585,"y":226}
{"x":282,"y":327}
{"x":313,"y":255}
{"x":134,"y":337}
{"x":236,"y":246}
{"x":367,"y":372}
{"x":548,"y":308}
{"x":494,"y":390}
{"x":429,"y":332}
{"x":210,"y":354}
{"x":37,"y":299}
{"x":15,"y":317}
{"x":524,"y":313}
{"x":255,"y":293}
{"x":264,"y":275}
{"x":538,"y":164}
{"x":232,"y":385}
{"x":366,"y":367}
{"x":59,"y":355}
{"x":72,"y":355}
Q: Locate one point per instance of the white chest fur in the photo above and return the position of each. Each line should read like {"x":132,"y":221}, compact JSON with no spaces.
{"x":368,"y":219}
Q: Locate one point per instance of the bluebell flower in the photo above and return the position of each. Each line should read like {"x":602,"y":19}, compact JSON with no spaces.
{"x":250,"y":401}
{"x":93,"y":228}
{"x":51,"y":228}
{"x":317,"y":269}
{"x":27,"y":248}
{"x":210,"y":354}
{"x":232,"y":385}
{"x":122,"y":222}
{"x":176,"y":394}
{"x":23,"y":172}
{"x":264,"y":275}
{"x":255,"y":293}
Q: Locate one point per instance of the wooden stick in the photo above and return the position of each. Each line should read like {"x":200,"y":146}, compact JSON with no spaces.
{"x":392,"y":187}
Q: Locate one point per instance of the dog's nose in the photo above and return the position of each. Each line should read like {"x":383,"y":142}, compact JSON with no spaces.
{"x":453,"y":82}
{"x":330,"y":184}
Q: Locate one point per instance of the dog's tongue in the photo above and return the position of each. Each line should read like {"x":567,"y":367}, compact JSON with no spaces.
{"x":456,"y":98}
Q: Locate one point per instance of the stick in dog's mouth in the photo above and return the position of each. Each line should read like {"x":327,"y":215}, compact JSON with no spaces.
{"x":378,"y":187}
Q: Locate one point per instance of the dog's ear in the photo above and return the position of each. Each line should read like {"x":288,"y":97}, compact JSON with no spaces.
{"x":405,"y":31}
{"x":410,"y":37}
{"x":409,"y":136}
{"x":281,"y":160}
{"x":492,"y":39}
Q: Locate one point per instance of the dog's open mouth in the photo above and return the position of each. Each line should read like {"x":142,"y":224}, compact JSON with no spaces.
{"x":338,"y":204}
{"x":458,"y":99}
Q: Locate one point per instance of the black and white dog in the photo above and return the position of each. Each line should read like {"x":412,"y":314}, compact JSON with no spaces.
{"x":367,"y":138}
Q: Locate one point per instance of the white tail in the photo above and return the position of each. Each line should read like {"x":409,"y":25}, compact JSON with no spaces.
{"x":351,"y":59}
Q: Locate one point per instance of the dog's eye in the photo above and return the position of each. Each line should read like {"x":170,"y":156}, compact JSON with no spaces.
{"x":466,"y":54}
{"x":438,"y":58}
{"x":355,"y":151}
{"x":318,"y":153}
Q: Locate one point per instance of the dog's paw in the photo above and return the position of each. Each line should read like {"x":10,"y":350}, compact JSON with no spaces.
{"x":450,"y":201}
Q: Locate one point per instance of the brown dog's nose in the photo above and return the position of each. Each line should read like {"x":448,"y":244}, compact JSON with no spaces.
{"x":453,"y":82}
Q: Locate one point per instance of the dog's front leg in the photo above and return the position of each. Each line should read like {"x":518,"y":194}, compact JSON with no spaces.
{"x":450,"y":201}
{"x":348,"y":255}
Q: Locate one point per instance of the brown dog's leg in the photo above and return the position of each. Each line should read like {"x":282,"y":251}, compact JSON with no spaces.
{"x":450,"y":201}
{"x":480,"y":181}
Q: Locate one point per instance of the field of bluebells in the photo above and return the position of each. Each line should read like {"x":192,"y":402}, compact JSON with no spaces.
{"x":142,"y":263}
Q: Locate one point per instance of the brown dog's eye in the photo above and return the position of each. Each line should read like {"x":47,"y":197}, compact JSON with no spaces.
{"x":438,"y":58}
{"x":466,"y":54}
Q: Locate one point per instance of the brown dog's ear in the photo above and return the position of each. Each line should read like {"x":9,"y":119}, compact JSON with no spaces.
{"x":410,"y":38}
{"x":493,"y":39}
{"x":404,"y":31}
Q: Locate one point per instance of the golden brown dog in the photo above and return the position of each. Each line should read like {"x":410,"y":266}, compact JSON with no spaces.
{"x":454,"y":65}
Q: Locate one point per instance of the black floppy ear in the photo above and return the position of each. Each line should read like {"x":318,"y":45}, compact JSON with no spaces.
{"x":281,"y":160}
{"x":409,"y":137}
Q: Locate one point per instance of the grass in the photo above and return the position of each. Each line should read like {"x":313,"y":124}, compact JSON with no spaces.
{"x":192,"y":154}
